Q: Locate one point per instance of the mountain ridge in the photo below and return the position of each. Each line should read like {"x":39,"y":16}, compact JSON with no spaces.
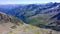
{"x":26,"y":12}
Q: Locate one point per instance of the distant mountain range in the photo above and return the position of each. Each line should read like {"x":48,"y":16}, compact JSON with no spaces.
{"x":34,"y":14}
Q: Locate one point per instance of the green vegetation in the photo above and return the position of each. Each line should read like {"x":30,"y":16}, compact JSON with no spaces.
{"x":39,"y":19}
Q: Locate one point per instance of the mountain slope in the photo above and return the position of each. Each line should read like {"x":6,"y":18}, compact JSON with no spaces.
{"x":12,"y":25}
{"x":30,"y":19}
{"x":25,"y":11}
{"x":4,"y":18}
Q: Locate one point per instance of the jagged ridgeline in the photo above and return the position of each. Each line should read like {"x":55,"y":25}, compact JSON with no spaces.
{"x":4,"y":18}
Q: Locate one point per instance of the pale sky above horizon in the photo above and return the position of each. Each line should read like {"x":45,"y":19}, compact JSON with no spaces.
{"x":26,"y":1}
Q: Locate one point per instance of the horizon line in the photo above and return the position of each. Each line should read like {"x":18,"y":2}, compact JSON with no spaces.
{"x":27,"y":3}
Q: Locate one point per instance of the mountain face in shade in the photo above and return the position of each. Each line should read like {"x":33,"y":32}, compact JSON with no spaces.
{"x":56,"y":16}
{"x":25,"y":11}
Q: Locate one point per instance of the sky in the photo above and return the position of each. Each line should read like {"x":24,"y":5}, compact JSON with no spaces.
{"x":26,"y":1}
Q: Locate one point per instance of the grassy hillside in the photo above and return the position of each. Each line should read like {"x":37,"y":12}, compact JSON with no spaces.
{"x":12,"y":25}
{"x":30,"y":19}
{"x":38,"y":19}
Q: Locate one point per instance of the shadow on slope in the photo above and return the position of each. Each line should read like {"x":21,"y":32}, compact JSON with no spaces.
{"x":4,"y":18}
{"x":43,"y":21}
{"x":25,"y":13}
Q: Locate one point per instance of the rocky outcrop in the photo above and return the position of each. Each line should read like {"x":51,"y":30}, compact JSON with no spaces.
{"x":4,"y":18}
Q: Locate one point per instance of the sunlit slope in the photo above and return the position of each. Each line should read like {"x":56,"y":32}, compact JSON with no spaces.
{"x":38,"y":19}
{"x":12,"y":25}
{"x":4,"y":18}
{"x":29,"y":29}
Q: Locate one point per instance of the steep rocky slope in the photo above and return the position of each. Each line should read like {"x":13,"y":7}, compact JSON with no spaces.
{"x":12,"y":25}
{"x":4,"y":18}
{"x":31,"y":18}
{"x":7,"y":22}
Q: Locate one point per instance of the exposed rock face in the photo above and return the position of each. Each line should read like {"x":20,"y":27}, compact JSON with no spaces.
{"x":4,"y":18}
{"x":7,"y":22}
